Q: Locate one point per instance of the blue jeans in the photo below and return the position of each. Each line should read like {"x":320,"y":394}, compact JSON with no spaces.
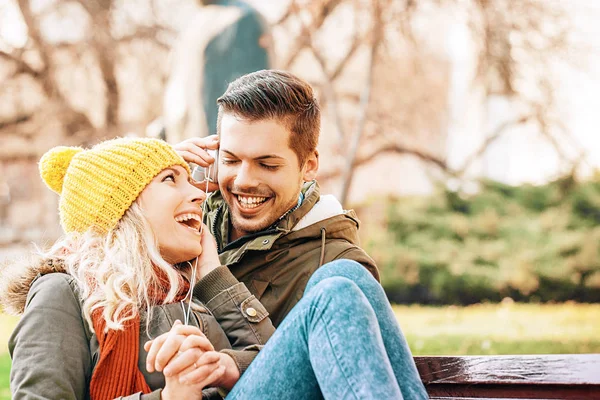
{"x":341,"y":341}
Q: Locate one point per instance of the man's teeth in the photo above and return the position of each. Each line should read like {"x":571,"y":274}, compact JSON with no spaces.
{"x":251,"y":202}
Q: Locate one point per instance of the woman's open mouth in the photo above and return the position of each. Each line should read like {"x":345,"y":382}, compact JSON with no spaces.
{"x":191,"y":221}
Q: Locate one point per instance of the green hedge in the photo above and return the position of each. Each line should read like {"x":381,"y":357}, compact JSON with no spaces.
{"x":530,"y":243}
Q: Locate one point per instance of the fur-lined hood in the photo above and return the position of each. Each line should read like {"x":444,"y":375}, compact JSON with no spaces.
{"x":16,"y":277}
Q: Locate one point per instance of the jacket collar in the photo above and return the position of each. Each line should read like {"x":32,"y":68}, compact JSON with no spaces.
{"x":219,"y":221}
{"x":302,"y":223}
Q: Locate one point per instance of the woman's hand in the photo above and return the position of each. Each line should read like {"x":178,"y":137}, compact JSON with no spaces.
{"x":209,"y":259}
{"x":189,"y":363}
{"x":167,"y":346}
{"x":210,"y":369}
{"x":193,"y":377}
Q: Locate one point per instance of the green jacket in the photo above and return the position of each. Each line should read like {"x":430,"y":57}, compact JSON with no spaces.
{"x":276,"y":264}
{"x":54,"y":351}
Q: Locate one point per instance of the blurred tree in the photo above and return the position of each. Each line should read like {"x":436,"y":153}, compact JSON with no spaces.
{"x":401,"y":102}
{"x":71,"y":72}
{"x":47,"y":73}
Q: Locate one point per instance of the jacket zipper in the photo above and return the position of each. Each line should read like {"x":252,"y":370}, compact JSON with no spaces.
{"x":213,"y":227}
{"x":238,"y":241}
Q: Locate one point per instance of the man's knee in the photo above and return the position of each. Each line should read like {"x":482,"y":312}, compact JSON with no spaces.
{"x":335,"y":290}
{"x":349,"y":269}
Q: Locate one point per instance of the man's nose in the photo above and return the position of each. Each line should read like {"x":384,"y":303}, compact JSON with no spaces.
{"x":246,"y":176}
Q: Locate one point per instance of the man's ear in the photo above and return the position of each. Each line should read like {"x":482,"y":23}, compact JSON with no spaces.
{"x":311,"y":167}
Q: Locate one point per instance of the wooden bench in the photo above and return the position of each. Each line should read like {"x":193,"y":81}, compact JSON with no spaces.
{"x":568,"y":376}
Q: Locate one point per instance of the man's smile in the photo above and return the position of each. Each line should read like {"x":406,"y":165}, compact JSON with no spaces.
{"x":251,"y":205}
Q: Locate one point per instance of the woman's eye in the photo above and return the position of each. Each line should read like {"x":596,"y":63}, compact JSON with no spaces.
{"x":228,"y":162}
{"x":170,"y":177}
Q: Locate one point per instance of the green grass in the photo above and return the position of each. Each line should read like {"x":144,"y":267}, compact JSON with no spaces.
{"x":506,"y":328}
{"x":7,"y":324}
{"x":501,"y":329}
{"x":4,"y":375}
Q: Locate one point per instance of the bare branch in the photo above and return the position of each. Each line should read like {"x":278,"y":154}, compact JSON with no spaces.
{"x":399,"y":149}
{"x":303,"y":38}
{"x":105,"y":48}
{"x":392,"y":148}
{"x":491,"y":139}
{"x":22,"y":66}
{"x":356,"y":42}
{"x":13,"y":122}
{"x":364,"y":102}
{"x":330,"y":95}
{"x":73,"y":120}
{"x":147,"y":33}
{"x":46,"y":75}
{"x":292,"y":9}
{"x":328,"y":88}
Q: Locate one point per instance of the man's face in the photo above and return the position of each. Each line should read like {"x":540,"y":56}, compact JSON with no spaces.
{"x":260,"y":176}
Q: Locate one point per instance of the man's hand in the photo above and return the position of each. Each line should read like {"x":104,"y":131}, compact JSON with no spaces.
{"x":209,"y":259}
{"x":193,"y":150}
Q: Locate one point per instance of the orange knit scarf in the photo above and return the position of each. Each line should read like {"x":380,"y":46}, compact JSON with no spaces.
{"x":117,"y":373}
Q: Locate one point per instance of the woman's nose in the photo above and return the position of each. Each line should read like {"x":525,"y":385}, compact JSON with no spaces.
{"x":197,"y":195}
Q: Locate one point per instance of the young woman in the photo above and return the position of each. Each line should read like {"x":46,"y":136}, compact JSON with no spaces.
{"x":102,"y":310}
{"x":124,"y":274}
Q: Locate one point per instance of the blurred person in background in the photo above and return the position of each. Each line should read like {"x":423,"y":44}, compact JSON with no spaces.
{"x":225,"y":40}
{"x":101,"y":309}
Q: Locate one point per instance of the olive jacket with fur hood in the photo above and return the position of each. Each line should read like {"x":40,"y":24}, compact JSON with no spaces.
{"x":54,"y":351}
{"x":275,"y":264}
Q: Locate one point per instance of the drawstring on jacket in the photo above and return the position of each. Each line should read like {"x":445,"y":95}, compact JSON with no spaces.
{"x":322,"y":258}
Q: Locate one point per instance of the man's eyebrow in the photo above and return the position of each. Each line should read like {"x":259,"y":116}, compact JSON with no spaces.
{"x":265,"y":157}
{"x":269,"y":156}
{"x":228,"y":152}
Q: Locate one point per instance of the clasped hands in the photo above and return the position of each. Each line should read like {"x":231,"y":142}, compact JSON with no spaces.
{"x":189,"y":363}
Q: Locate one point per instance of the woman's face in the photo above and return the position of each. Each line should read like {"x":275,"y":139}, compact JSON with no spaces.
{"x":173,"y":208}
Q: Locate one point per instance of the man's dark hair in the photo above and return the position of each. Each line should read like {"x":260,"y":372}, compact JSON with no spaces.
{"x":276,"y":95}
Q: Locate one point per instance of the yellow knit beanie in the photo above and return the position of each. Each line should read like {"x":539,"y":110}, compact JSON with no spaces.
{"x":98,"y":185}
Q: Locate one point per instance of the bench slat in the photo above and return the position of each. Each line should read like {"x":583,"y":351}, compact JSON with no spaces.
{"x":496,"y":392}
{"x":559,"y":369}
{"x":564,"y":376}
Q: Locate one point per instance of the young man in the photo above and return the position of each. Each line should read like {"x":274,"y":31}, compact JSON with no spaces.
{"x":297,"y":251}
{"x":272,"y":226}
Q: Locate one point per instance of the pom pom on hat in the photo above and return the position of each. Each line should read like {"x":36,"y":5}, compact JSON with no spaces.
{"x":53,"y":166}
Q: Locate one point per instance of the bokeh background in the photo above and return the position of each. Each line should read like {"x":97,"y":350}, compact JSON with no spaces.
{"x":464,"y":133}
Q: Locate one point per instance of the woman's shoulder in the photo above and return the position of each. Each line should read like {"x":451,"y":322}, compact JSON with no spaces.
{"x":20,"y":278}
{"x":55,"y":288}
{"x":61,"y":282}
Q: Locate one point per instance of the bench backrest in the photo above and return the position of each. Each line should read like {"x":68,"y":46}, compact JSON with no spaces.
{"x":565,"y":376}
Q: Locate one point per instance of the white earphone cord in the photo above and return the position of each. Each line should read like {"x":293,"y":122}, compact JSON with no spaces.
{"x":186,"y":313}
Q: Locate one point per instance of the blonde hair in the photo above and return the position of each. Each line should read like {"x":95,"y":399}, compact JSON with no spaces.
{"x":119,"y":271}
